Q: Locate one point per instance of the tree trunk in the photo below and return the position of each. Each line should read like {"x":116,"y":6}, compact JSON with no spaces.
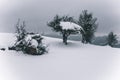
{"x":83,"y":39}
{"x":65,"y":39}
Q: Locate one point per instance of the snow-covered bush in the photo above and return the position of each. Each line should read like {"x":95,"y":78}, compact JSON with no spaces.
{"x":66,"y":26}
{"x":34,"y":45}
{"x":28,"y":43}
{"x":31,"y":44}
{"x":88,"y":23}
{"x":112,"y":39}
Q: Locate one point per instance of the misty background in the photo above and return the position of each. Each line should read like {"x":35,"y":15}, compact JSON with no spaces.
{"x":37,"y":13}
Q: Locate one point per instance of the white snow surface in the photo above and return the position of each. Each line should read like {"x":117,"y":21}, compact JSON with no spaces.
{"x":75,"y":61}
{"x":70,"y":25}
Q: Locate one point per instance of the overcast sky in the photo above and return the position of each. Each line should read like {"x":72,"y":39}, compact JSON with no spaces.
{"x":37,"y":13}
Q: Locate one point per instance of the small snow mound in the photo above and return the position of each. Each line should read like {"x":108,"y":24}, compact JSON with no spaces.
{"x":70,"y":25}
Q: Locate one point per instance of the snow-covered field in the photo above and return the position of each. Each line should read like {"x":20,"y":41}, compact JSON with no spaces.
{"x":75,"y":61}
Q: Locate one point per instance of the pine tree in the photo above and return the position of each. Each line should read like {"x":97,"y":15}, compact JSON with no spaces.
{"x":20,"y":30}
{"x":21,"y":33}
{"x":88,"y":23}
{"x":112,"y":39}
{"x":55,"y":25}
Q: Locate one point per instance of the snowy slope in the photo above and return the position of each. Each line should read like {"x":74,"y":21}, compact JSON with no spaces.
{"x":75,"y":61}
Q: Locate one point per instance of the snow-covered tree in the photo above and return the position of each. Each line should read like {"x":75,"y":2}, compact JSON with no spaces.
{"x":88,"y":23}
{"x":29,"y":43}
{"x":112,"y":39}
{"x":20,"y":30}
{"x":65,"y":25}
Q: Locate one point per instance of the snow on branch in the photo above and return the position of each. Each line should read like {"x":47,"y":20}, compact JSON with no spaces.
{"x":70,"y":26}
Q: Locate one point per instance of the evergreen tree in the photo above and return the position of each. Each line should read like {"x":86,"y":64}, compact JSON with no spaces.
{"x":20,"y":30}
{"x":112,"y":39}
{"x":21,"y":33}
{"x":88,"y":23}
{"x":55,"y":25}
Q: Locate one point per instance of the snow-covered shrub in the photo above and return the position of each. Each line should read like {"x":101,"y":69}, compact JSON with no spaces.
{"x":112,"y":39}
{"x":35,"y":45}
{"x":65,"y":25}
{"x":88,"y":23}
{"x":31,"y":44}
{"x":28,"y":43}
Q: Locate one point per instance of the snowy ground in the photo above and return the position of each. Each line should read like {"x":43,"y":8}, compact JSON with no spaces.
{"x":76,"y":61}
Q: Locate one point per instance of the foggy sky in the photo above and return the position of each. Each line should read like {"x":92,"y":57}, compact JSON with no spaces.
{"x":37,"y":13}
